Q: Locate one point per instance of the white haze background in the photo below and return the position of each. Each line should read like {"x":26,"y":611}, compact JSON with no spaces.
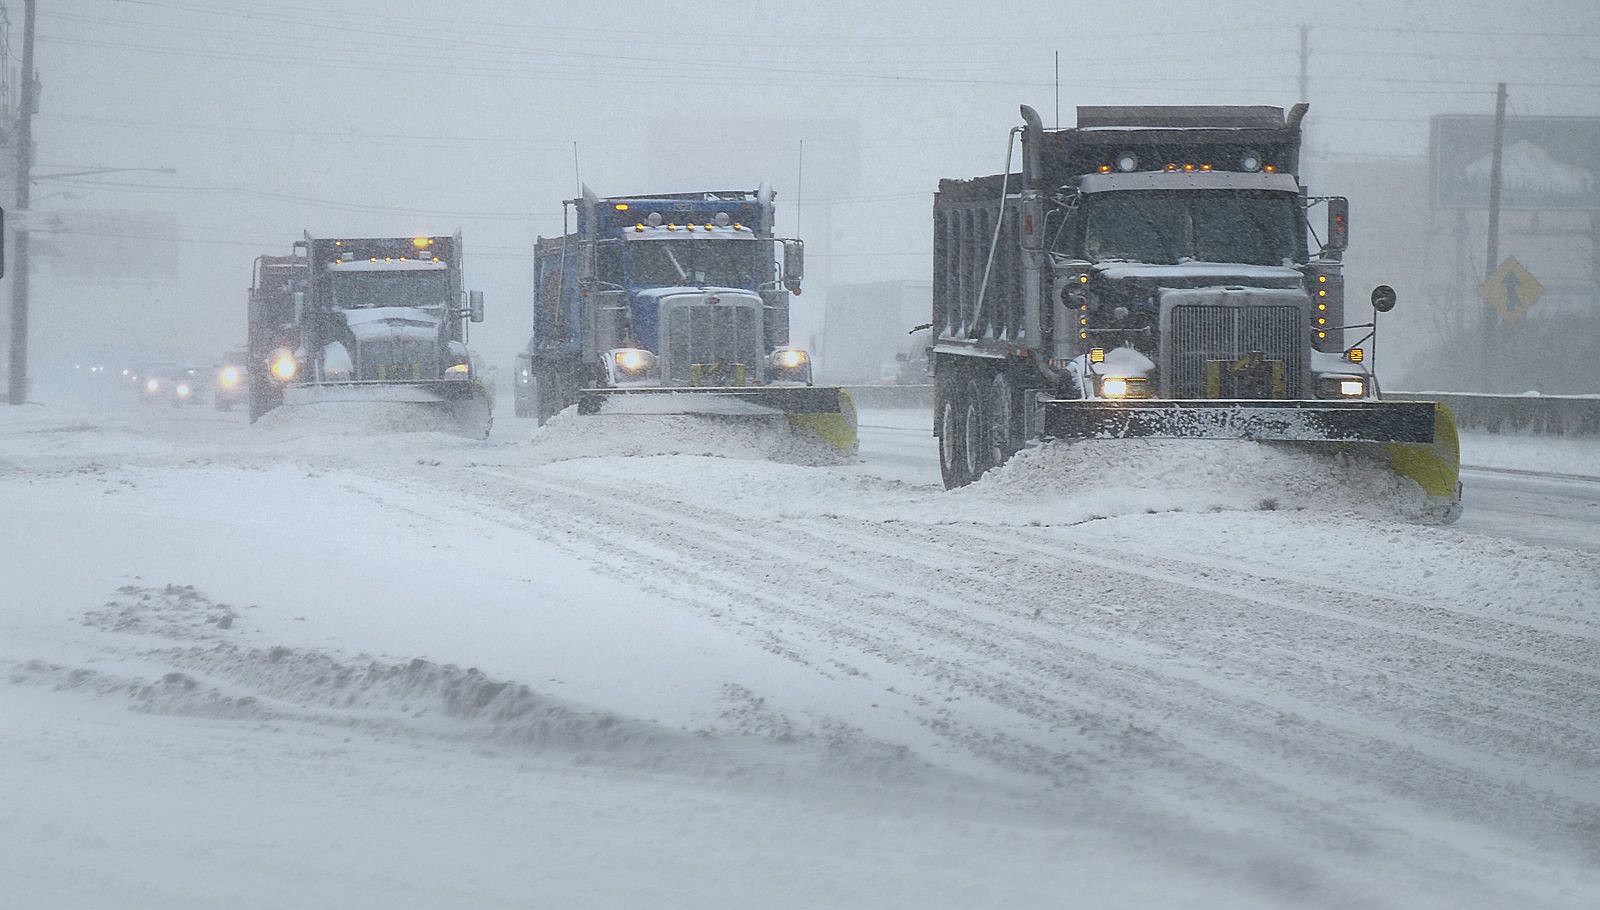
{"x":390,"y":118}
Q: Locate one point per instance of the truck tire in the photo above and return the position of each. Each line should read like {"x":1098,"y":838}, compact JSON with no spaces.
{"x":978,"y":427}
{"x":1005,"y":436}
{"x":952,"y":435}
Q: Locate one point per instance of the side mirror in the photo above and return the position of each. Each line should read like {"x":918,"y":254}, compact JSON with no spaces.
{"x":794,"y":264}
{"x":475,"y":305}
{"x":1383,"y":298}
{"x":1338,"y":225}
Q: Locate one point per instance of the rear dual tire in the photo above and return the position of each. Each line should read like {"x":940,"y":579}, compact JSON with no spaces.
{"x":979,"y":428}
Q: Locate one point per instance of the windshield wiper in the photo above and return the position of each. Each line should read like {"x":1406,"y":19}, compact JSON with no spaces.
{"x":682,"y":275}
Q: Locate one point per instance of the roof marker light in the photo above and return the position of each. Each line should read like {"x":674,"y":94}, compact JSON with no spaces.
{"x":1105,"y":168}
{"x":421,"y":243}
{"x":621,"y":206}
{"x":1271,"y":169}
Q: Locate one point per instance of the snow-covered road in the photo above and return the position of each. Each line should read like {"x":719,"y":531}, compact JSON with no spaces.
{"x":298,"y":664}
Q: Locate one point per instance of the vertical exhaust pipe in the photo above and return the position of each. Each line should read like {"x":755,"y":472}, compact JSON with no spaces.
{"x":1032,"y":141}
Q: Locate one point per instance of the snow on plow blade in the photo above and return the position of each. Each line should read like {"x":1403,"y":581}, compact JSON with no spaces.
{"x":828,"y":413}
{"x":464,"y":405}
{"x":1416,"y":439}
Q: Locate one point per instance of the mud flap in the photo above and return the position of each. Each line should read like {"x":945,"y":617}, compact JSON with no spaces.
{"x":1435,"y":466}
{"x":836,"y":428}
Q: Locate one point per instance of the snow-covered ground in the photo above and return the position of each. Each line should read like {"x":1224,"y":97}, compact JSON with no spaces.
{"x":643,"y":662}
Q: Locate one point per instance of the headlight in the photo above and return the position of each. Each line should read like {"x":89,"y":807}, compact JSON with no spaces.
{"x":284,"y":366}
{"x":632,"y":360}
{"x":183,"y":390}
{"x":152,"y":385}
{"x":789,"y":358}
{"x":1124,"y":387}
{"x":228,"y":377}
{"x":457,"y":371}
{"x":1341,"y":387}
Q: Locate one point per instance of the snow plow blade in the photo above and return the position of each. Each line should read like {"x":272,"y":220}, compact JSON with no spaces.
{"x":466,"y":406}
{"x":1292,"y":421}
{"x":1415,"y":439}
{"x":827,"y":413}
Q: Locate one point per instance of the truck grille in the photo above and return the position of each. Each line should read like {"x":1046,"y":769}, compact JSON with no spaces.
{"x":1199,"y":334}
{"x":712,"y":344}
{"x":400,"y":359}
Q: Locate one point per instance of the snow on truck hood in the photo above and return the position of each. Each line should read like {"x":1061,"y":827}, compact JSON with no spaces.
{"x":383,"y":322}
{"x":663,"y":293}
{"x":1117,"y":271}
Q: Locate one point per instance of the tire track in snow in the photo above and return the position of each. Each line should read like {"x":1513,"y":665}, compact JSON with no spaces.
{"x":737,"y":535}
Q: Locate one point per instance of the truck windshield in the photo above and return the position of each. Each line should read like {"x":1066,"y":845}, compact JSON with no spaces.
{"x":691,"y":262}
{"x":357,"y":290}
{"x":1254,"y":227}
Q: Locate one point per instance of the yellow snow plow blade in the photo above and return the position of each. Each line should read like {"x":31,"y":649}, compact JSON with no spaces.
{"x":836,"y":428}
{"x":1436,"y":465}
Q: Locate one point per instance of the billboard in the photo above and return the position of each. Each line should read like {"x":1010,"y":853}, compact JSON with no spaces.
{"x":1547,"y":163}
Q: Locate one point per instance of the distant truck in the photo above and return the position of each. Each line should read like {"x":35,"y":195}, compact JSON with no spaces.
{"x":366,"y":320}
{"x":875,"y":333}
{"x":672,"y":303}
{"x":1147,"y":273}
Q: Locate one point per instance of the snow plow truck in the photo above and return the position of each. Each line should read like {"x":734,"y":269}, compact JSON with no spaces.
{"x":367,"y":320}
{"x":1147,"y":273}
{"x":673,"y":303}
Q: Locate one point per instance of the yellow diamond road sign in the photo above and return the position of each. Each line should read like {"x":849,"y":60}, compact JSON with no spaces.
{"x":1511,"y":290}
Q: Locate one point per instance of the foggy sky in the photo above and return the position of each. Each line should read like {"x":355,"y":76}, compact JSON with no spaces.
{"x":386,"y":119}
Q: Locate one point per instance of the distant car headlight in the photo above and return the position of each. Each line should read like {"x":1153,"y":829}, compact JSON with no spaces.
{"x":228,"y":377}
{"x":152,"y":385}
{"x":183,"y":390}
{"x":283,"y":366}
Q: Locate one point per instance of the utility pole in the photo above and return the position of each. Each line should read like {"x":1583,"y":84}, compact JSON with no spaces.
{"x":18,"y":378}
{"x":1493,"y":258}
{"x":1305,"y":63}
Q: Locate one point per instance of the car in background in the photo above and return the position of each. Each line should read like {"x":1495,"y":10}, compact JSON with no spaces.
{"x":228,"y":381}
{"x":156,"y":380}
{"x":190,"y":385}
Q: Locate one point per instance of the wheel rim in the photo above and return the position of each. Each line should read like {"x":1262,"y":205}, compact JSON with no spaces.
{"x":947,"y":440}
{"x":970,"y":439}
